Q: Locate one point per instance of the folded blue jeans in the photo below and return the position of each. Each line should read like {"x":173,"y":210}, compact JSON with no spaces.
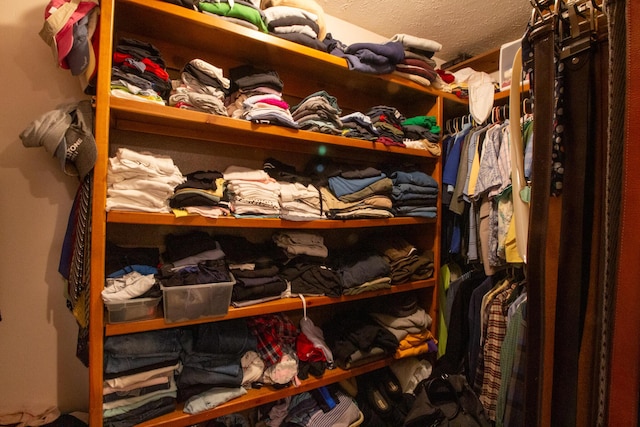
{"x":129,"y":352}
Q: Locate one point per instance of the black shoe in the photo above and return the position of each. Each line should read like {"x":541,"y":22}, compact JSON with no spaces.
{"x":391,"y":385}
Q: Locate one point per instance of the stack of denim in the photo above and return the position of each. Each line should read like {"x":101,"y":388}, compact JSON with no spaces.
{"x":211,"y":360}
{"x":414,"y":194}
{"x":139,"y":373}
{"x":361,"y":270}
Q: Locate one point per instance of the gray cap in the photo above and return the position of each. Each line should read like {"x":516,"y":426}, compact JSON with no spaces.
{"x":66,"y":133}
{"x":48,"y":130}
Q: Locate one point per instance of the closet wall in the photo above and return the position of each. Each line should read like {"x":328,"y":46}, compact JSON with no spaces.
{"x":38,"y":366}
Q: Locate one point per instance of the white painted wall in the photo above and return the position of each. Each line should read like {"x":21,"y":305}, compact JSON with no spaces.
{"x":348,"y":33}
{"x":38,"y":367}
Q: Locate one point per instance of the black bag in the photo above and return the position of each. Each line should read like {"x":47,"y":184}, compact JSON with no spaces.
{"x":447,"y":400}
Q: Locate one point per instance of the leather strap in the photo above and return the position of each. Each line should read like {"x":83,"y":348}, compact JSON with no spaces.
{"x":542,"y":41}
{"x":575,"y":240}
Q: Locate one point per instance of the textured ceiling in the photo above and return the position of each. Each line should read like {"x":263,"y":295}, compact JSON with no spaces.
{"x":460,"y":26}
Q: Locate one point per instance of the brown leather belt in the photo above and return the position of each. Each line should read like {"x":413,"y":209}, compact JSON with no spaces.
{"x":575,"y":241}
{"x":542,"y":41}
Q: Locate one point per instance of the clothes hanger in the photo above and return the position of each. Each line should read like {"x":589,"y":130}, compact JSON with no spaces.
{"x":314,"y":333}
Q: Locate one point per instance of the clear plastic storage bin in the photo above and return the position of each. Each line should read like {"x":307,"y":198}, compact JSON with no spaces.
{"x":191,"y":302}
{"x":133,"y":309}
{"x":507,"y":54}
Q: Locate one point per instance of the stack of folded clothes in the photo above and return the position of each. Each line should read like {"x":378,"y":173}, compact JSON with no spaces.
{"x":305,"y":269}
{"x":312,"y":277}
{"x":422,"y":132}
{"x":349,"y":191}
{"x":409,"y":323}
{"x":294,"y":24}
{"x":358,"y":193}
{"x":318,"y":112}
{"x":141,"y":181}
{"x":202,"y":87}
{"x":202,"y":193}
{"x":360,"y":126}
{"x":193,"y":258}
{"x":406,"y":262}
{"x":388,"y":121}
{"x":355,"y":338}
{"x":211,"y":363}
{"x":361,"y":270}
{"x":295,"y":243}
{"x":418,"y":64}
{"x":255,"y":268}
{"x":310,"y":7}
{"x":130,"y":274}
{"x":373,"y":58}
{"x":299,"y":199}
{"x":256,"y":95}
{"x":414,"y":194}
{"x":252,"y":192}
{"x":139,"y":72}
{"x":240,"y":12}
{"x":139,"y":376}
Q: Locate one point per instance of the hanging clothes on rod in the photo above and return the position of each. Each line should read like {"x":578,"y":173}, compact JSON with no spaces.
{"x":477,"y":189}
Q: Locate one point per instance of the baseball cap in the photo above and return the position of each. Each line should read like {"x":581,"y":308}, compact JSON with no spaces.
{"x":48,"y":130}
{"x":81,"y":55}
{"x":67,"y":134}
{"x":79,"y":144}
{"x":58,"y":29}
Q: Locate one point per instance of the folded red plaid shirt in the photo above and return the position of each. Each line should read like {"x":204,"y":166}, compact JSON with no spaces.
{"x":276,"y":334}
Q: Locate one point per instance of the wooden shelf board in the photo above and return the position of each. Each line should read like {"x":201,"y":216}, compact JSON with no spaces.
{"x":143,"y":218}
{"x":163,"y":120}
{"x":182,"y":26}
{"x":488,"y":62}
{"x":276,"y":306}
{"x":257,"y":397}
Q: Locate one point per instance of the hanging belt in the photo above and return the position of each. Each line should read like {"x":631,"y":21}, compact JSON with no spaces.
{"x":575,"y":241}
{"x":542,"y":45}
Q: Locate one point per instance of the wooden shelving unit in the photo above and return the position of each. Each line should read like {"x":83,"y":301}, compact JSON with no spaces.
{"x":202,"y":140}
